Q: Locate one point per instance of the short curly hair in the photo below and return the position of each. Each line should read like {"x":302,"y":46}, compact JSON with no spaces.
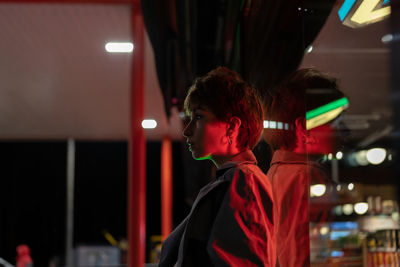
{"x":225,"y":94}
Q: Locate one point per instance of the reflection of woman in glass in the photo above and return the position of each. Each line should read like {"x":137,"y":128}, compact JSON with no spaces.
{"x":231,"y":222}
{"x":299,"y":141}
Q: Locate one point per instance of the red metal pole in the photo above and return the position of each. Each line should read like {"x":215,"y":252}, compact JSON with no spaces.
{"x":137,"y":149}
{"x":166,"y":187}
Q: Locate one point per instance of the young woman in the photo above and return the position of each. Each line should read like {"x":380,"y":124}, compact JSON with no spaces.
{"x":231,"y":220}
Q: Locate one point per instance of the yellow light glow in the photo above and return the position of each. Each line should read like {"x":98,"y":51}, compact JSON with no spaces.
{"x":149,"y":124}
{"x":323,"y":118}
{"x":361,"y":158}
{"x":317,"y":190}
{"x":376,"y":155}
{"x":348,"y":209}
{"x":324,"y":230}
{"x":361,"y":208}
{"x":366,"y":13}
{"x":119,"y":47}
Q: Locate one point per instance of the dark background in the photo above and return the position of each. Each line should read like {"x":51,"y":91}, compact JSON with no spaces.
{"x":33,"y":193}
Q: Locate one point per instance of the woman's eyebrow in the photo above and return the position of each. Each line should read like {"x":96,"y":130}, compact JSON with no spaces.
{"x":199,"y":109}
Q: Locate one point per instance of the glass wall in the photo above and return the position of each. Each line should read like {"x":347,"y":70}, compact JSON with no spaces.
{"x":354,"y":217}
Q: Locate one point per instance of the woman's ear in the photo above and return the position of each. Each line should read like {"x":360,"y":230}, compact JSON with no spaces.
{"x":301,"y":132}
{"x":234,"y":124}
{"x":300,"y":123}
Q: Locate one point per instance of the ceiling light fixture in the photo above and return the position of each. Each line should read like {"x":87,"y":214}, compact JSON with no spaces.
{"x":114,"y":47}
{"x":149,"y":124}
{"x":325,"y":113}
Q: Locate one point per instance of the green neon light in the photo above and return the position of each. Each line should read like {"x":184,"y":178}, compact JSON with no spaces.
{"x":327,"y":107}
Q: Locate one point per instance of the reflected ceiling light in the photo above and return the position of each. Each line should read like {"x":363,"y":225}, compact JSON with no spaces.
{"x":361,"y":208}
{"x":309,"y":49}
{"x":325,"y":113}
{"x":350,"y":186}
{"x":348,"y":209}
{"x":317,"y":190}
{"x":387,"y":38}
{"x":376,"y":155}
{"x":338,"y":187}
{"x":149,"y":124}
{"x":339,"y":155}
{"x":119,"y":47}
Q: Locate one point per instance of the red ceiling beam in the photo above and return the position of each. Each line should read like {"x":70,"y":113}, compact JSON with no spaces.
{"x":113,"y":2}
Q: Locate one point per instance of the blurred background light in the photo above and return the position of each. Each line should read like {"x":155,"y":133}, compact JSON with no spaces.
{"x":361,"y":208}
{"x":324,"y":230}
{"x":387,"y":38}
{"x":376,"y":155}
{"x":317,"y":190}
{"x":338,"y":210}
{"x":350,"y":186}
{"x":348,"y":209}
{"x":361,"y":158}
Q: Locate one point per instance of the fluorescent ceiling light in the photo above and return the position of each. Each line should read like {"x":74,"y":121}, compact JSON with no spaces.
{"x":149,"y":124}
{"x":325,"y":113}
{"x":119,"y":47}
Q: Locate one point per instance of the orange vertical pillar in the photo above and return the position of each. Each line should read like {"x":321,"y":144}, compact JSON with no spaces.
{"x":166,"y":187}
{"x":137,"y":149}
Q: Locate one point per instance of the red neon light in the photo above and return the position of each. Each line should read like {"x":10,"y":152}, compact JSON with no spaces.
{"x":166,"y":187}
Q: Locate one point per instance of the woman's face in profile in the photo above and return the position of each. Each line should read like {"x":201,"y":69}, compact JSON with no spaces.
{"x":205,"y":134}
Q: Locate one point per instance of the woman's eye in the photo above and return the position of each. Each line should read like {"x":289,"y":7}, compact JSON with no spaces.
{"x":196,"y":117}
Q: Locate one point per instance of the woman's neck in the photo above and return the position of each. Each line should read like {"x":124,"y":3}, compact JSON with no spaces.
{"x":219,"y":160}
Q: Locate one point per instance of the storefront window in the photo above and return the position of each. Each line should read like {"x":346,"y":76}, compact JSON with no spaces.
{"x":354,"y":218}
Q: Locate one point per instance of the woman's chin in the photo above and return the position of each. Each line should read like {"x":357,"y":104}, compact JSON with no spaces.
{"x":197,"y":156}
